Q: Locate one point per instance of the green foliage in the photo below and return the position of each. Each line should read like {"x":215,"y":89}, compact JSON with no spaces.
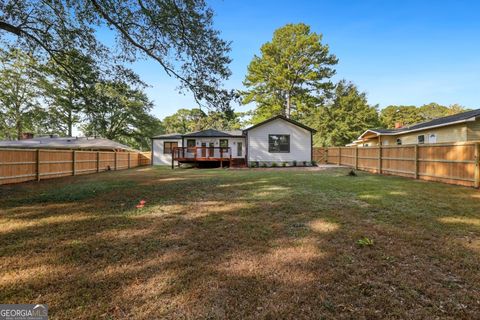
{"x":365,"y":242}
{"x":184,"y":120}
{"x":20,"y":109}
{"x":264,"y":165}
{"x":284,"y":164}
{"x":68,"y":98}
{"x":314,"y":163}
{"x":290,"y":75}
{"x":178,"y":35}
{"x":188,"y":120}
{"x":121,"y":112}
{"x":409,"y":115}
{"x":344,"y":118}
{"x":294,"y":163}
{"x":274,"y":165}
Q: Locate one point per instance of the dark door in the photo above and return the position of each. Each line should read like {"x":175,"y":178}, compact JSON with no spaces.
{"x":204,"y":149}
{"x":211,"y":150}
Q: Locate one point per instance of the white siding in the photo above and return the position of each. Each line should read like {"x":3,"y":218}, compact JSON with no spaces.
{"x":159,"y":158}
{"x":300,"y":142}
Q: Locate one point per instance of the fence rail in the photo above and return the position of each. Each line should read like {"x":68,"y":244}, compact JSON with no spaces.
{"x":20,"y":165}
{"x":450,"y":163}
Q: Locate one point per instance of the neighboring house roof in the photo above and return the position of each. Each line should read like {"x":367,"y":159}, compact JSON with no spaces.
{"x":282,"y":118}
{"x":439,"y":122}
{"x":214,"y":133}
{"x":65,"y":143}
{"x":169,"y":136}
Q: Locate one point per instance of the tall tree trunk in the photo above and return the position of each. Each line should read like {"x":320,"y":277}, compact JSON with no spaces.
{"x":287,"y":111}
{"x":70,"y":122}
{"x":18,"y":124}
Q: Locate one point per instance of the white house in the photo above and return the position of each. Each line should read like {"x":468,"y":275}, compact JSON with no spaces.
{"x":276,"y":140}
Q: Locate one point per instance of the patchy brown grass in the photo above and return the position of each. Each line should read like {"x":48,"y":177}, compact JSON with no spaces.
{"x":241,"y":244}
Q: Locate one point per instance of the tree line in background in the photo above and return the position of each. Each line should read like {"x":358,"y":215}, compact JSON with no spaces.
{"x":43,"y":99}
{"x":293,"y":77}
{"x":57,"y":72}
{"x":56,"y":76}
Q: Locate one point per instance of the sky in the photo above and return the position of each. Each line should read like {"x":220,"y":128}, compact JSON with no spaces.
{"x":398,"y":52}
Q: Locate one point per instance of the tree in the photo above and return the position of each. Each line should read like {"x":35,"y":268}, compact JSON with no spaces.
{"x":185,"y":120}
{"x":121,"y":112}
{"x":456,"y":108}
{"x":19,"y":105}
{"x":290,"y":75}
{"x":66,"y":99}
{"x":402,"y":115}
{"x":432,"y":111}
{"x":178,"y":35}
{"x":345,"y":117}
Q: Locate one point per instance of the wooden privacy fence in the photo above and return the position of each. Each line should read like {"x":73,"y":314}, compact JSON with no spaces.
{"x":20,"y":165}
{"x":450,"y":163}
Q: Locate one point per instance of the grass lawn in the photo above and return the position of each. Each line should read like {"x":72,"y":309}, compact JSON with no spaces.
{"x":241,"y":244}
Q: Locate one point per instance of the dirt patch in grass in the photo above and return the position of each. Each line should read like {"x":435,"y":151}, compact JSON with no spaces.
{"x":241,"y":244}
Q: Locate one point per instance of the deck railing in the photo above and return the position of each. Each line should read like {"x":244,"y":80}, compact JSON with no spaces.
{"x":201,"y":153}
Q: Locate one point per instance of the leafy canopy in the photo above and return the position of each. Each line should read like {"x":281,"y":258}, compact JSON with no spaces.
{"x":290,"y":75}
{"x":345,"y":117}
{"x":178,"y":35}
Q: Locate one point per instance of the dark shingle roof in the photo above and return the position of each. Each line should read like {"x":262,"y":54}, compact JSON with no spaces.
{"x":445,"y":120}
{"x":214,"y":133}
{"x":168,"y":136}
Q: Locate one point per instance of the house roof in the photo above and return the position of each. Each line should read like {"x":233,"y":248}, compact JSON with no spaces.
{"x":65,"y":143}
{"x":168,"y":136}
{"x":282,"y":118}
{"x":439,"y":122}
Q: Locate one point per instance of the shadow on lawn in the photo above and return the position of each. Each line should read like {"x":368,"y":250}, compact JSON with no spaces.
{"x":226,"y":244}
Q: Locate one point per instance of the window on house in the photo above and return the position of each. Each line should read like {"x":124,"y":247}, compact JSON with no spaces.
{"x":239,"y":149}
{"x":190,"y":143}
{"x":399,"y":142}
{"x":421,"y":139}
{"x":279,"y":143}
{"x":224,"y":143}
{"x":168,"y":146}
{"x":432,"y":138}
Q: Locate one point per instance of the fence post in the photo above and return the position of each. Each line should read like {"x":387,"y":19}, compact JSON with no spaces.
{"x":115,"y":157}
{"x":416,"y":161}
{"x":98,"y":161}
{"x":477,"y":165}
{"x":38,"y":165}
{"x":380,"y":158}
{"x":73,"y":162}
{"x":339,"y":156}
{"x":129,"y":160}
{"x":356,"y":157}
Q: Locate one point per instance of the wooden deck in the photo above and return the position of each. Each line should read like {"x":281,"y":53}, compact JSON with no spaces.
{"x":220,"y":155}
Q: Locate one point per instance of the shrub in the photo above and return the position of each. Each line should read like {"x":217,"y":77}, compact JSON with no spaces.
{"x":284,"y":164}
{"x":314,"y":163}
{"x":253,"y":164}
{"x":274,"y":164}
{"x":294,"y":162}
{"x":264,"y":165}
{"x":365,"y":242}
{"x":304,"y":163}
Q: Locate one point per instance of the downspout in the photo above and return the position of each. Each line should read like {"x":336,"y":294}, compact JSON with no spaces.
{"x":311,"y":146}
{"x":151,"y":155}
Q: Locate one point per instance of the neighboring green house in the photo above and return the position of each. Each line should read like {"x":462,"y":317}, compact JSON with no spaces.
{"x":460,"y":127}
